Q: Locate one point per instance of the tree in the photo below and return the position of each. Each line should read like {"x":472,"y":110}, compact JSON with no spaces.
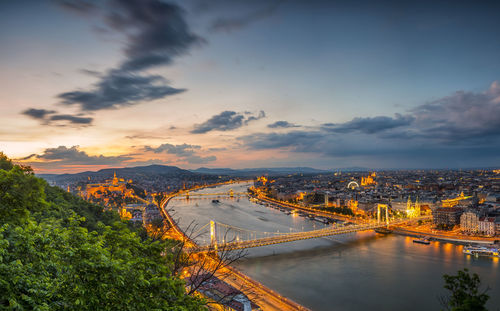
{"x":465,"y":293}
{"x":48,"y":266}
{"x":5,"y":162}
{"x":58,"y":252}
{"x":20,"y":193}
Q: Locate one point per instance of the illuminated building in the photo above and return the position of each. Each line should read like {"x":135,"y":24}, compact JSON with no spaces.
{"x":412,"y":209}
{"x":455,"y":201}
{"x":469,"y":222}
{"x":448,"y":216}
{"x":115,"y":185}
{"x":487,"y":226}
{"x":369,"y":180}
{"x":353,"y":205}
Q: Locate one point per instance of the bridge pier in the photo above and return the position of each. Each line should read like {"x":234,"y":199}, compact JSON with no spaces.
{"x":386,"y":213}
{"x":213,"y":234}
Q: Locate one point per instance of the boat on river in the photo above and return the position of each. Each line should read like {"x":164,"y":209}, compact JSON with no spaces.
{"x":475,"y":250}
{"x":424,"y":241}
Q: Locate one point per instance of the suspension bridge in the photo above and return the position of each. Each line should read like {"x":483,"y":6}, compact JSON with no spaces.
{"x":229,"y":193}
{"x":227,"y":237}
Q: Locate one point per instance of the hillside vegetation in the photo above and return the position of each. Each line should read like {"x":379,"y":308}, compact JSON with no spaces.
{"x":59,"y":252}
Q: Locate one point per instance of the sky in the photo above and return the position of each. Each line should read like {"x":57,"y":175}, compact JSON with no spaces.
{"x":250,"y":83}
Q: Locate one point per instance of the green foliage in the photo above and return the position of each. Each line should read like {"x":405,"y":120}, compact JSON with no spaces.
{"x":59,"y":252}
{"x":5,"y":163}
{"x":465,"y":294}
{"x":20,"y":193}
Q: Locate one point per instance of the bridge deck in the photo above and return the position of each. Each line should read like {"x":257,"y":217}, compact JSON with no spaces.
{"x":213,"y":194}
{"x":284,"y":238}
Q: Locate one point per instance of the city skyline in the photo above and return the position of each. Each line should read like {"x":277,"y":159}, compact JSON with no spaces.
{"x":241,"y":84}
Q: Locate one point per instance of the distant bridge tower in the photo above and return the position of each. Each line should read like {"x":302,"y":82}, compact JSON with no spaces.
{"x":213,"y":234}
{"x":386,"y":213}
{"x":231,"y":193}
{"x":187,"y":194}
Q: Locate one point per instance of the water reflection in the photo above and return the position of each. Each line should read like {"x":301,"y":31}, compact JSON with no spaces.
{"x":362,"y":271}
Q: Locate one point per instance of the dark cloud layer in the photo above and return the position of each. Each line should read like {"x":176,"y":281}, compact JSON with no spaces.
{"x":70,"y":118}
{"x":281,"y":124}
{"x":261,"y":11}
{"x":79,"y":6}
{"x":463,"y":116}
{"x":195,"y":159}
{"x":461,"y":128}
{"x":118,"y":89}
{"x":301,"y":141}
{"x":155,"y":32}
{"x":370,"y":125}
{"x":72,"y":155}
{"x":180,"y":150}
{"x":185,"y":152}
{"x":226,"y":121}
{"x":37,"y":113}
{"x":50,"y":117}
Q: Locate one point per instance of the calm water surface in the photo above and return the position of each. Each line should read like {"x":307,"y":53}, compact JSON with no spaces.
{"x":363,"y":271}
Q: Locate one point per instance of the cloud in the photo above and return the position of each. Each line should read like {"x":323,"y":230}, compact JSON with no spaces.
{"x":226,"y":121}
{"x":462,"y":116}
{"x":217,"y":149}
{"x":147,"y":162}
{"x":180,"y":150}
{"x":72,"y":155}
{"x":70,"y":118}
{"x":155,"y":33}
{"x":302,"y":141}
{"x":195,"y":159}
{"x":50,"y":117}
{"x":229,"y":24}
{"x":359,"y":149}
{"x":92,"y":73}
{"x":370,"y":125}
{"x":460,"y":130}
{"x":37,"y":113}
{"x":185,"y":152}
{"x":80,"y":6}
{"x":261,"y":115}
{"x":119,"y":89}
{"x":281,"y":124}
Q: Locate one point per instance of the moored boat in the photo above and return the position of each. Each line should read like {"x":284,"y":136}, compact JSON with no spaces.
{"x":422,"y":241}
{"x":481,"y":251}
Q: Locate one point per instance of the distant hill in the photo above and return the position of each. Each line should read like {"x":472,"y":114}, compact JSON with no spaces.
{"x":351,"y":169}
{"x":125,"y":172}
{"x":150,"y":171}
{"x":258,"y":171}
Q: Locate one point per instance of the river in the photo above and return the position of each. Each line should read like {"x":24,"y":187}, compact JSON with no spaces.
{"x":362,"y":271}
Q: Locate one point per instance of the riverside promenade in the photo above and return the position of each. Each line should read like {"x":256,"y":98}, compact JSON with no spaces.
{"x":264,"y":199}
{"x":444,"y":236}
{"x":265,"y":297}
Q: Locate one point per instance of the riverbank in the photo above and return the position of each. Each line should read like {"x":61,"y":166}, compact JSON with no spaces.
{"x":443,"y":237}
{"x":322,"y":274}
{"x":265,"y":297}
{"x":264,"y":199}
{"x":406,"y":231}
